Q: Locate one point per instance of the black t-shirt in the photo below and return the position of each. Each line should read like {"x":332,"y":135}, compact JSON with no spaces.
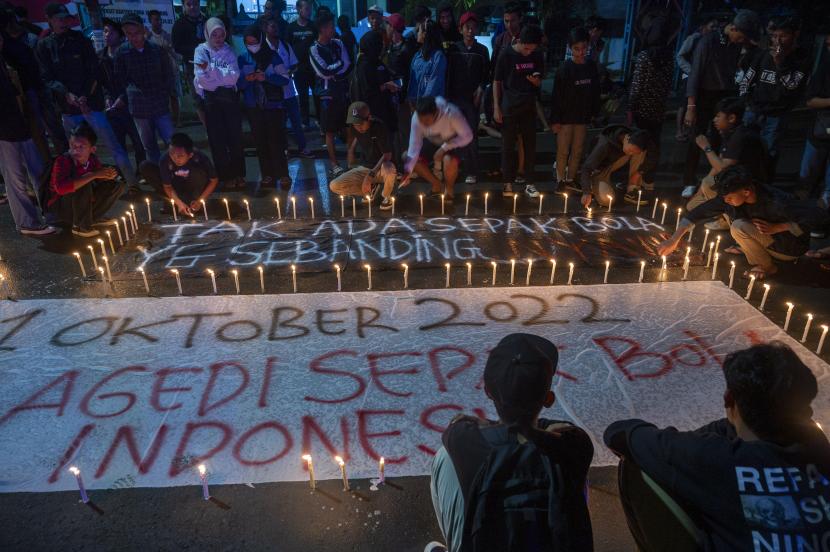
{"x":190,"y":179}
{"x":374,"y":143}
{"x":301,"y":38}
{"x":512,"y":70}
{"x":745,"y":495}
{"x":743,"y":144}
{"x":569,"y":449}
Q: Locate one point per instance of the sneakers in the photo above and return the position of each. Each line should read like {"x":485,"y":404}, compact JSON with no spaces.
{"x":688,"y":191}
{"x":519,"y":180}
{"x":85,"y":232}
{"x":718,"y":224}
{"x":470,"y":180}
{"x":572,"y":186}
{"x":435,"y":546}
{"x":507,"y":190}
{"x":531,"y":191}
{"x":336,"y":171}
{"x":386,"y":204}
{"x":631,"y":196}
{"x":42,"y":231}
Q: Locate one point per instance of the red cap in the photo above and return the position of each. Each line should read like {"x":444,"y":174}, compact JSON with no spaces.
{"x":468,"y":16}
{"x":396,"y":21}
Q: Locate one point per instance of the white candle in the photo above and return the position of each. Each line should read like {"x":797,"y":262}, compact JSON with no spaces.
{"x":134,"y":218}
{"x":80,"y":264}
{"x":663,"y":275}
{"x":203,"y":477}
{"x":541,"y":202}
{"x":342,"y":212}
{"x":790,"y":307}
{"x":311,"y":205}
{"x":807,"y":327}
{"x":705,"y":239}
{"x":261,"y":278}
{"x":731,"y":273}
{"x":469,"y":274}
{"x":339,"y":282}
{"x":102,"y":246}
{"x":564,"y":204}
{"x":144,"y":277}
{"x":293,"y":207}
{"x":204,"y":208}
{"x":92,"y":254}
{"x":236,"y":279}
{"x":149,"y":211}
{"x":173,"y":208}
{"x":77,"y":473}
{"x":294,"y":277}
{"x":118,"y":232}
{"x":312,"y":483}
{"x":639,"y":200}
{"x":821,"y":339}
{"x":178,"y":279}
{"x":610,"y":202}
{"x":665,"y":209}
{"x":512,"y":270}
{"x":442,"y":204}
{"x":552,"y":270}
{"x":709,"y":256}
{"x":421,"y":199}
{"x":686,"y":262}
{"x":109,"y":239}
{"x":607,"y":268}
{"x":405,"y":275}
{"x":529,"y":269}
{"x":486,"y":196}
{"x":654,"y":211}
{"x":107,"y":267}
{"x":447,"y":266}
{"x":393,"y":206}
{"x":642,"y":271}
{"x":381,"y":469}
{"x":342,"y":465}
{"x":570,"y":273}
{"x":126,"y":228}
{"x":279,"y":211}
{"x":677,"y":222}
{"x":467,"y":206}
{"x":749,"y":287}
{"x":368,"y":275}
{"x":715,"y":265}
{"x":248,"y":208}
{"x":764,"y":297}
{"x":717,"y":244}
{"x":494,"y":272}
{"x":515,"y":200}
{"x":354,"y":207}
{"x":100,"y":269}
{"x":213,"y":280}
{"x":227,"y":207}
{"x":589,"y":212}
{"x":369,"y":203}
{"x":691,"y":230}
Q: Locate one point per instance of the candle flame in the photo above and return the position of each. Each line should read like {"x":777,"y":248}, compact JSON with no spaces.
{"x":766,"y":286}
{"x":210,"y":271}
{"x":174,"y":271}
{"x":76,"y":254}
{"x":818,"y":425}
{"x":141,"y":269}
{"x":307,"y":458}
{"x":469,"y":265}
{"x":382,"y":461}
{"x":234,"y":272}
{"x":202,"y":469}
{"x":447,"y":265}
{"x":336,"y":266}
{"x":225,"y":199}
{"x":293,"y":268}
{"x":493,"y":263}
{"x":245,"y":201}
{"x":147,"y":200}
{"x":407,"y":266}
{"x":260,"y":268}
{"x":74,"y":470}
{"x":789,"y":305}
{"x":810,"y":316}
{"x":367,"y":267}
{"x":339,"y":461}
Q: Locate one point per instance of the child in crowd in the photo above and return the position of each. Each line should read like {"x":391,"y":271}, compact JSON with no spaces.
{"x":616,"y":147}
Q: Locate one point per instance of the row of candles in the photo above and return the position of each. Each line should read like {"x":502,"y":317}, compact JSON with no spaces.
{"x":203,"y":476}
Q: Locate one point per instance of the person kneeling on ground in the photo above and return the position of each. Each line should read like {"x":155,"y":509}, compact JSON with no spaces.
{"x":519,"y":483}
{"x":184,"y":174}
{"x":617,"y":146}
{"x":81,"y":189}
{"x":373,"y":138}
{"x":756,"y":480}
{"x":438,"y":130}
{"x":766,"y":224}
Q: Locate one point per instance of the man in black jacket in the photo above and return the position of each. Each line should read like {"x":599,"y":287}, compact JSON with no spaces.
{"x":616,"y":147}
{"x":71,"y":70}
{"x":757,"y":480}
{"x":188,"y":32}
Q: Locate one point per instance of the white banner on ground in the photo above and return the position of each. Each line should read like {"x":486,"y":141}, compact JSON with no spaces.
{"x":136,"y":391}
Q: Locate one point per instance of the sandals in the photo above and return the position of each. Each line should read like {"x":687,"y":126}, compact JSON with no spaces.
{"x":819,"y":254}
{"x":759,"y":273}
{"x":733,"y":250}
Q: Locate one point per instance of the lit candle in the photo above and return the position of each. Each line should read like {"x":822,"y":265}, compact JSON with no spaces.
{"x":639,"y":200}
{"x":227,"y":207}
{"x":709,"y":256}
{"x":131,"y":218}
{"x":107,"y":267}
{"x":610,"y":202}
{"x":134,"y":218}
{"x":663,"y":275}
{"x":807,"y":327}
{"x":790,"y":307}
{"x":717,"y":244}
{"x":731,"y":273}
{"x":764,"y":297}
{"x":144,"y":277}
{"x":705,"y":239}
{"x":293,"y":207}
{"x":261,"y":278}
{"x":529,"y":269}
{"x":749,"y":287}
{"x":77,"y":473}
{"x":405,"y":275}
{"x":447,"y":266}
{"x":126,"y":228}
{"x":570,"y":273}
{"x":421,"y":199}
{"x":342,"y":207}
{"x":178,"y":279}
{"x":665,"y":209}
{"x":203,"y":477}
{"x":715,"y":265}
{"x":310,"y":465}
{"x":311,"y":205}
{"x":654,"y":211}
{"x":149,"y":211}
{"x":342,"y":465}
{"x":677,"y":222}
{"x":118,"y":232}
{"x":100,"y":269}
{"x":515,"y":201}
{"x":80,"y":264}
{"x":204,"y":208}
{"x":552,"y":270}
{"x":467,"y":206}
{"x":821,"y":339}
{"x":102,"y":246}
{"x":494,"y":271}
{"x":469,"y":274}
{"x":607,"y":268}
{"x":354,"y":207}
{"x":393,"y":206}
{"x":381,"y":466}
{"x":589,"y":212}
{"x":691,"y":230}
{"x":94,"y":259}
{"x":277,"y":203}
{"x":486,"y":196}
{"x":173,"y":208}
{"x":213,"y":280}
{"x":248,"y":208}
{"x":686,"y":263}
{"x":337,"y":271}
{"x":564,"y":204}
{"x":512,"y":270}
{"x":642,"y":271}
{"x":368,"y":275}
{"x":294,"y":277}
{"x":541,"y":202}
{"x":442,"y":204}
{"x":109,"y":239}
{"x":236,"y":279}
{"x":369,"y":203}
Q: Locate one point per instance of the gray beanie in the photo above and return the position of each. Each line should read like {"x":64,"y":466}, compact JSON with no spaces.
{"x":748,"y":22}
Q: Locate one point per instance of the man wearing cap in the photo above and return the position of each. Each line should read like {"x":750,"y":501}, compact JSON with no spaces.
{"x":517,"y":377}
{"x":468,"y":76}
{"x":714,"y":65}
{"x":377,"y":168}
{"x":144,"y":77}
{"x":70,"y":69}
{"x":374,"y":16}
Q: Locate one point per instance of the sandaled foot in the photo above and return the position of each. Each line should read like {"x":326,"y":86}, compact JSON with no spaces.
{"x":760,"y":272}
{"x":819,"y":254}
{"x":733,"y":250}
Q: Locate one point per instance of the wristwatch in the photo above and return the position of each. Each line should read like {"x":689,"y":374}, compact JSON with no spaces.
{"x":708,"y":149}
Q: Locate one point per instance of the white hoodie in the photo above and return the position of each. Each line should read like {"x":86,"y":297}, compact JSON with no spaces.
{"x":449,"y":131}
{"x":222,"y":68}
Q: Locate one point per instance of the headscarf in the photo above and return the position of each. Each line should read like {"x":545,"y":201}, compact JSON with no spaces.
{"x":211,"y":25}
{"x":371,"y":46}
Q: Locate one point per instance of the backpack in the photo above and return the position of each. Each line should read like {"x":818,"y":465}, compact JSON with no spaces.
{"x":517,"y":502}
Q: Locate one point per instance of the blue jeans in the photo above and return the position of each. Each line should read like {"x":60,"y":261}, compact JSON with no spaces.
{"x":447,"y":499}
{"x":148,"y":128}
{"x":815,"y":167}
{"x":292,"y":113}
{"x":99,"y":123}
{"x":22,"y":168}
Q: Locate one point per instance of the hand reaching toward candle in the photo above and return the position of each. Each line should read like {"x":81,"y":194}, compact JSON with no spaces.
{"x":586,"y":200}
{"x":668,"y":247}
{"x":195,"y":205}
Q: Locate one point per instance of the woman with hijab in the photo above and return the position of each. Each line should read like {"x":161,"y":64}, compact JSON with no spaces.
{"x":374,"y":81}
{"x":215,"y":75}
{"x":261,"y":80}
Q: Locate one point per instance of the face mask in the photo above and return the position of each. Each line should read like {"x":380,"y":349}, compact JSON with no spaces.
{"x":254,"y":49}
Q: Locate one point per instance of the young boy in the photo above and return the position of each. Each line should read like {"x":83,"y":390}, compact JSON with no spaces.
{"x":184,"y":175}
{"x":518,"y":76}
{"x":373,"y":138}
{"x":617,"y":147}
{"x":81,"y":189}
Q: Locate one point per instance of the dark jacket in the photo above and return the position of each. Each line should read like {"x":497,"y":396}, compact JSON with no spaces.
{"x":370,"y":75}
{"x":13,"y":126}
{"x":714,"y":65}
{"x":608,"y":149}
{"x":575,"y":93}
{"x":144,"y":78}
{"x":21,"y":58}
{"x":267,"y":94}
{"x":773,"y":90}
{"x":68,"y":64}
{"x":399,"y":59}
{"x":469,"y":70}
{"x":186,"y":35}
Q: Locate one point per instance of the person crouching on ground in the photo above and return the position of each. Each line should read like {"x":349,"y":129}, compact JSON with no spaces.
{"x":617,"y":146}
{"x":81,"y":189}
{"x":518,"y":483}
{"x":377,"y":167}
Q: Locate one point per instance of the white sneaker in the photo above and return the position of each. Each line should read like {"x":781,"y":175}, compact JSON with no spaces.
{"x":435,"y":546}
{"x":85,"y":232}
{"x":688,"y":191}
{"x":531,"y":191}
{"x":42,"y":231}
{"x":470,"y":180}
{"x":719,"y":224}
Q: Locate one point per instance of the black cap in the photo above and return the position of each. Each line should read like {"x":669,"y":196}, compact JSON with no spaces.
{"x":132,"y":19}
{"x":519,"y":371}
{"x":57,"y":10}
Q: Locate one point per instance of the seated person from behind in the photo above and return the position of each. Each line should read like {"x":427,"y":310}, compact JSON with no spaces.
{"x":756,"y":480}
{"x":81,"y":189}
{"x":767,"y":224}
{"x":520,"y":479}
{"x":184,"y":174}
{"x":377,"y":168}
{"x":616,"y":147}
